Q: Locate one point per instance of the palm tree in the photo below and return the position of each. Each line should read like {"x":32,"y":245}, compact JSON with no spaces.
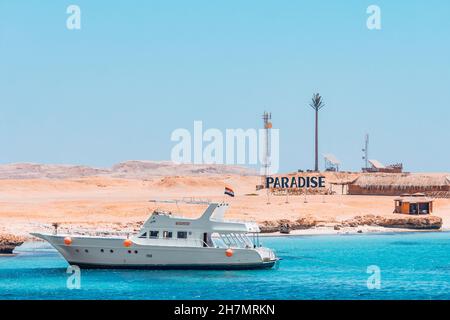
{"x":317,"y":104}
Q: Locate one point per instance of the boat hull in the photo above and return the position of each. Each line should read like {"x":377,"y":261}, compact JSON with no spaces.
{"x":111,"y":253}
{"x":263,"y":265}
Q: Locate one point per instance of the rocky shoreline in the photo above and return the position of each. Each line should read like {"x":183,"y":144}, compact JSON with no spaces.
{"x":394,"y":221}
{"x":9,"y":242}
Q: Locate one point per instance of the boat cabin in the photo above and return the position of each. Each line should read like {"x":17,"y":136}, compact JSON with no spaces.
{"x":210,"y":230}
{"x":416,"y":203}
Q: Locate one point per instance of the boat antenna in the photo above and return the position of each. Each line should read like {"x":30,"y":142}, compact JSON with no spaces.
{"x":184,"y":200}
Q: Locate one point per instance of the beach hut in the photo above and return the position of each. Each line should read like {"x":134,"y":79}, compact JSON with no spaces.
{"x":417,"y":203}
{"x":395,"y":184}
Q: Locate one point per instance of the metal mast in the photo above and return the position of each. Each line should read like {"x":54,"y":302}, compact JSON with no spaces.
{"x":366,"y":152}
{"x":267,"y":117}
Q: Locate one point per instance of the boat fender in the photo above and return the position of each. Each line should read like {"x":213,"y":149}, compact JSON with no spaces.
{"x":67,"y":241}
{"x":229,"y":253}
{"x":127,"y":243}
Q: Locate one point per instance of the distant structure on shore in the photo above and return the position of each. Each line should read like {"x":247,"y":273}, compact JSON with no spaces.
{"x":388,"y":184}
{"x":331,"y":163}
{"x":377,"y":166}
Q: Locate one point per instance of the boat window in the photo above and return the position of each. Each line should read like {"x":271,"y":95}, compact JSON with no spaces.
{"x":236,"y":239}
{"x":232,"y":240}
{"x":218,"y":241}
{"x":182,"y":235}
{"x":143,"y":236}
{"x":225,"y":239}
{"x":246,"y":240}
{"x":167,"y":234}
{"x":154,"y":234}
{"x":239,"y":240}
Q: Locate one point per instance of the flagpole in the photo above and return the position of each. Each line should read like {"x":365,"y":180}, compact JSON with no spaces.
{"x":224,"y":194}
{"x":228,"y":192}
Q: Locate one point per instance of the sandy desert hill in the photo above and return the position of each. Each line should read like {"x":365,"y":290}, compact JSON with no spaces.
{"x":125,"y":170}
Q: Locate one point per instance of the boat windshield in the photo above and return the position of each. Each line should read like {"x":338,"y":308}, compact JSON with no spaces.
{"x":231,"y":240}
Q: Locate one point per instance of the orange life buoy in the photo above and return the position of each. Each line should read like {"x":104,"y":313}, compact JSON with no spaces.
{"x":127,"y":243}
{"x":67,"y":241}
{"x":229,"y":253}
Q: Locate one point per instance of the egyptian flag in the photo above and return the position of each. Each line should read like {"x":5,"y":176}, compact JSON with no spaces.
{"x":229,"y":192}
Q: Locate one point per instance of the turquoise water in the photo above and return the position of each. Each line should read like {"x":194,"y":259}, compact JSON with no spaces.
{"x":413,"y":266}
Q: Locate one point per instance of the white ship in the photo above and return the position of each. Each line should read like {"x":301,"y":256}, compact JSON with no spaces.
{"x":170,"y":242}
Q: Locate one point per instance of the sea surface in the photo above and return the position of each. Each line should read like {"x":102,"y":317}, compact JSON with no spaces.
{"x":410,"y":265}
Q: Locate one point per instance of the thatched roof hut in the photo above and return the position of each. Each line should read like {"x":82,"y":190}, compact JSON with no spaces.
{"x":397,"y":184}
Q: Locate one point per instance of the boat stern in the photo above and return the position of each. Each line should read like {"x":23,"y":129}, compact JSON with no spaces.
{"x":267,"y":255}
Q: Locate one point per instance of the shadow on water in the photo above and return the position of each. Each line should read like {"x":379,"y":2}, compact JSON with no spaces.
{"x":406,"y":243}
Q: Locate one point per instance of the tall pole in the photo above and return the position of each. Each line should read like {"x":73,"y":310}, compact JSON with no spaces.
{"x":316,"y":166}
{"x":267,"y":117}
{"x":317,"y":104}
{"x":366,"y":152}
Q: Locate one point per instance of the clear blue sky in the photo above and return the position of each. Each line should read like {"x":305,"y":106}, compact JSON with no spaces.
{"x":137,"y":70}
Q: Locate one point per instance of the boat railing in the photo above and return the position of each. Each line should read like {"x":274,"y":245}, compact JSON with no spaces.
{"x":232,"y":240}
{"x":94,"y":233}
{"x":186,"y":200}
